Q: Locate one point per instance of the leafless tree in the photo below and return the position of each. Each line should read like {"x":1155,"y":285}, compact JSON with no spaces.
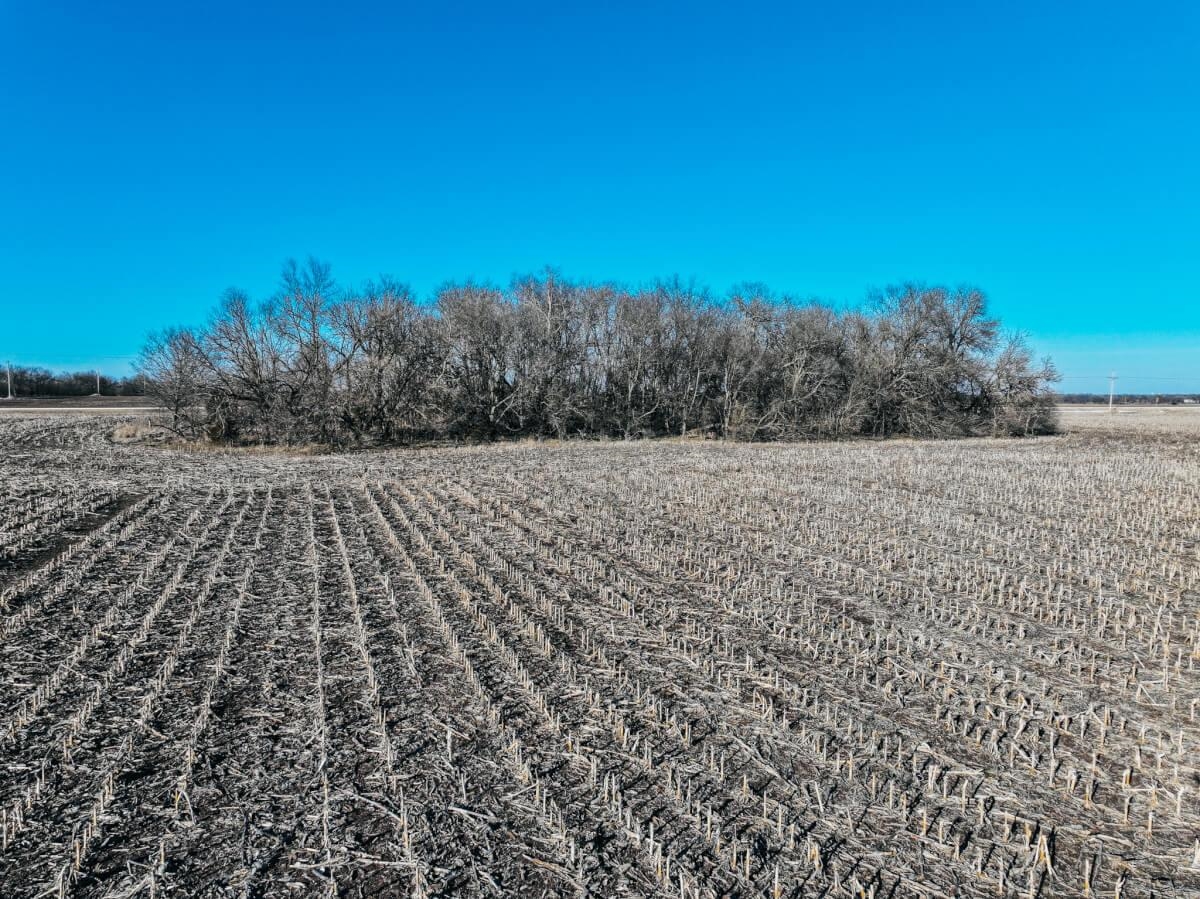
{"x":1020,"y":400}
{"x":552,"y":357}
{"x":176,"y":375}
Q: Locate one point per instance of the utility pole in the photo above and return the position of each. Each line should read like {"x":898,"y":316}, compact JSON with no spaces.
{"x":9,"y":364}
{"x":1112,"y":386}
{"x":97,"y":382}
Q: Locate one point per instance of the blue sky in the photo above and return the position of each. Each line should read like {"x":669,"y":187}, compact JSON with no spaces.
{"x":156,"y":154}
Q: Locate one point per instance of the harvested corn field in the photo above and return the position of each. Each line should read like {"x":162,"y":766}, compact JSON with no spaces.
{"x":647,"y":669}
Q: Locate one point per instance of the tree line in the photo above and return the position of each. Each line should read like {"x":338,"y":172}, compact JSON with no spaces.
{"x":552,"y":357}
{"x":1130,"y":399}
{"x":31,"y":381}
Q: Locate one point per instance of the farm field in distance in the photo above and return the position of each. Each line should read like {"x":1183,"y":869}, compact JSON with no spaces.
{"x":860,"y":669}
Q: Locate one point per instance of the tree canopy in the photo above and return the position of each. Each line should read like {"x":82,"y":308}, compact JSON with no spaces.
{"x":559,"y":358}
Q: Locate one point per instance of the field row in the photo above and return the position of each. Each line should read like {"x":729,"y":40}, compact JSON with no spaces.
{"x":516,"y":674}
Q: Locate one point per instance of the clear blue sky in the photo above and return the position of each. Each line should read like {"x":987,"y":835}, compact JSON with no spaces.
{"x":1048,"y":152}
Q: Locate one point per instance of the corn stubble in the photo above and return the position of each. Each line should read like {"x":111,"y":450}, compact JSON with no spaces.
{"x":864,"y":670}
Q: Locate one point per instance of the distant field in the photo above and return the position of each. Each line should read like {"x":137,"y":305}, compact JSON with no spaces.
{"x":1182,"y":419}
{"x":862,"y":670}
{"x":76,"y":404}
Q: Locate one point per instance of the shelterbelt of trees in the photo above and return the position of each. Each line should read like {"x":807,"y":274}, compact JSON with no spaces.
{"x":36,"y":381}
{"x":558,"y":358}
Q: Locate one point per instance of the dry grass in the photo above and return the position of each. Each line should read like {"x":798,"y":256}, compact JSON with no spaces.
{"x":207,"y":447}
{"x":138,"y":431}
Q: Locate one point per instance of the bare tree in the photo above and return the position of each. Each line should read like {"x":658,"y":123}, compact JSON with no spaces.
{"x":477,"y":385}
{"x":390,"y":353}
{"x":1020,"y":400}
{"x":552,"y":357}
{"x":175,"y":370}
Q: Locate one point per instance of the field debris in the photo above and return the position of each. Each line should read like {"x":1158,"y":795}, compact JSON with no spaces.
{"x":866,"y":670}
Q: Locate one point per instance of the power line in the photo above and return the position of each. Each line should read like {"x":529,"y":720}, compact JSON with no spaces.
{"x":86,"y":362}
{"x":1127,"y":378}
